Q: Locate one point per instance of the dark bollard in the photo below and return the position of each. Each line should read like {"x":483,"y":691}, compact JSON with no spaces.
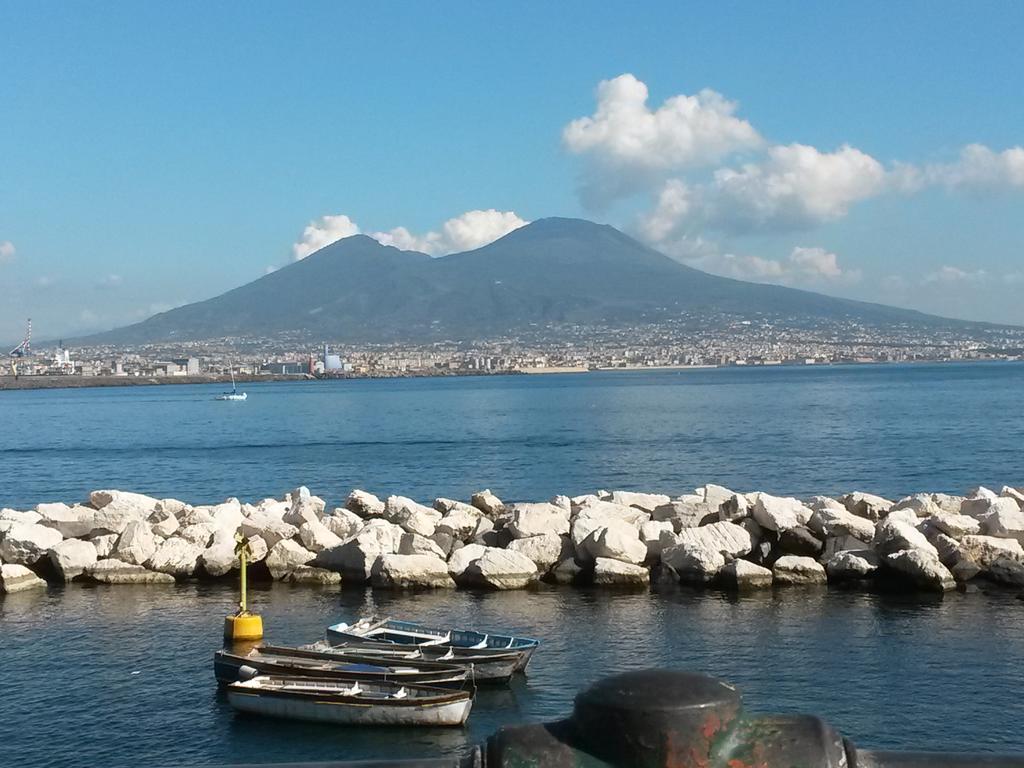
{"x":672,"y":719}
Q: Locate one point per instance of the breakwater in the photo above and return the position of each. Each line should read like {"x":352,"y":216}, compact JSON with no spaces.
{"x":713,"y":537}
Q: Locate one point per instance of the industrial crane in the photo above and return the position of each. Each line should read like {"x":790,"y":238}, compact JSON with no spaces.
{"x":23,"y":349}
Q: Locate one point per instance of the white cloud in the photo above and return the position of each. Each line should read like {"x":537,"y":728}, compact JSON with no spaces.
{"x":270,"y":269}
{"x":626,"y":141}
{"x":322,"y":232}
{"x":980,"y":169}
{"x":803,"y":266}
{"x":465,"y":232}
{"x":7,"y":251}
{"x":109,"y":281}
{"x":46,"y":281}
{"x":948,"y":275}
{"x":472,"y":229}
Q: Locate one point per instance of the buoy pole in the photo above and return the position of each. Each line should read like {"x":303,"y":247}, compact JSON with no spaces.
{"x":243,"y":626}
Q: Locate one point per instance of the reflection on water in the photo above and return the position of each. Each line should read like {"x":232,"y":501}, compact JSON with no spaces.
{"x":123,"y":676}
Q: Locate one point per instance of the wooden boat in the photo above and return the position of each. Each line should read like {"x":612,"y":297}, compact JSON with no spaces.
{"x":374,"y":632}
{"x":345,"y":702}
{"x":289,"y":662}
{"x":484,"y":669}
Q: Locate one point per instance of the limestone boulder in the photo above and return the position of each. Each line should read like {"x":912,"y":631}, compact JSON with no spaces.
{"x":537,"y":520}
{"x":836,"y":544}
{"x":316,"y":537}
{"x":1016,"y":494}
{"x":343,"y":523}
{"x":650,"y":535}
{"x":1006,"y":570}
{"x":355,"y":556}
{"x":799,"y":540}
{"x":892,"y":535}
{"x":163,"y":522}
{"x":866,"y":505}
{"x":544,"y":550}
{"x":171,"y":506}
{"x":921,"y":569}
{"x":461,"y":558}
{"x":136,"y":544}
{"x":105,"y":544}
{"x":411,"y":571}
{"x":598,"y":509}
{"x":985,"y":550}
{"x":566,"y":572}
{"x":307,"y":574}
{"x":1005,"y":520}
{"x":364,"y":504}
{"x":411,"y":516}
{"x":792,"y":570}
{"x":16,"y":516}
{"x":696,"y":562}
{"x":820,"y":503}
{"x":954,"y":525}
{"x":779,"y":514}
{"x":830,"y":521}
{"x":851,"y":565}
{"x":617,"y":540}
{"x":734,"y":508}
{"x":18,"y":578}
{"x":647,"y":502}
{"x":111,"y":571}
{"x":981,"y":502}
{"x":461,"y":521}
{"x":219,"y":559}
{"x":414,"y":544}
{"x":201,"y":534}
{"x":740,"y":575}
{"x":177,"y":557}
{"x":71,"y":557}
{"x":715,"y":495}
{"x":948,"y":503}
{"x":728,"y":539}
{"x":228,"y":516}
{"x":72,"y":522}
{"x":562,"y":501}
{"x":501,"y":569}
{"x":616,"y":573}
{"x":687,"y":512}
{"x":267,"y":526}
{"x":101,"y":499}
{"x":285,"y":556}
{"x":488,"y":503}
{"x":28,"y":543}
{"x":116,"y":509}
{"x":922,"y":505}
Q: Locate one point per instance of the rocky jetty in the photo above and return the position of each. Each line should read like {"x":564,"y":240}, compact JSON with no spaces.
{"x":713,"y":538}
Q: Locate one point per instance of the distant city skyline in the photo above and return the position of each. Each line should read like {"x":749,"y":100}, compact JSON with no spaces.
{"x":159,"y":155}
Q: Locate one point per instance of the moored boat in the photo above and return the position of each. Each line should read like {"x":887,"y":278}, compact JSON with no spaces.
{"x":290,"y":662}
{"x":484,"y":668}
{"x":345,"y":702}
{"x":386,"y":632}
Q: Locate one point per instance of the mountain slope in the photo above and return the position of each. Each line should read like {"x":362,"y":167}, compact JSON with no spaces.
{"x":552,"y":271}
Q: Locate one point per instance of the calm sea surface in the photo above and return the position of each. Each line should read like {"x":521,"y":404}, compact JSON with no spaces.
{"x":121,"y":676}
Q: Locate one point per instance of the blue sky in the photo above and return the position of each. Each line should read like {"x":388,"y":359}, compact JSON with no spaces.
{"x":152,"y":155}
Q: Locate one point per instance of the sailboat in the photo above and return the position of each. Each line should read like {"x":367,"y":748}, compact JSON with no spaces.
{"x":234,"y":394}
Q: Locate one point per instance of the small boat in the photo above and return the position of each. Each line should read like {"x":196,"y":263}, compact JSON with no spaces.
{"x":349,"y":702}
{"x":387,"y":632}
{"x":291,"y":662}
{"x":234,"y":394}
{"x":490,"y":668}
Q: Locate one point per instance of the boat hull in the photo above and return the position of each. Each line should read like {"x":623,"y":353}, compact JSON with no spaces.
{"x":487,"y":668}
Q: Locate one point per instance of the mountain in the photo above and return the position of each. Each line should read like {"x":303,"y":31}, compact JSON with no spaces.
{"x":553,"y":271}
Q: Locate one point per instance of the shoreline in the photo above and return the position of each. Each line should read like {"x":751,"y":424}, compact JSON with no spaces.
{"x":712,"y":538}
{"x":10,"y":383}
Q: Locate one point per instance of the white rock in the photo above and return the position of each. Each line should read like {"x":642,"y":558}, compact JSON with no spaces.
{"x":694,"y":561}
{"x":501,"y":569}
{"x":985,"y":550}
{"x":793,"y":570}
{"x":268,"y":527}
{"x":893,"y":536}
{"x":617,"y":540}
{"x":285,"y":556}
{"x":28,"y":543}
{"x":866,"y":505}
{"x":981,"y":507}
{"x":18,"y":578}
{"x":145,"y":504}
{"x":228,"y":516}
{"x":1006,"y":570}
{"x":544,"y":550}
{"x":136,"y":544}
{"x":15,"y":516}
{"x":71,"y":557}
{"x":921,"y":504}
{"x":170,"y":506}
{"x":779,"y":514}
{"x":488,"y":503}
{"x":343,"y":523}
{"x":907,"y":516}
{"x":461,"y":521}
{"x":411,"y":516}
{"x":921,"y":568}
{"x":648,"y":502}
{"x":414,"y":544}
{"x":112,"y":571}
{"x":819,"y":503}
{"x":306,"y":574}
{"x":715,"y":495}
{"x":948,"y":503}
{"x":355,"y":556}
{"x":104,"y":544}
{"x":316,"y":537}
{"x":743,"y":575}
{"x":163,"y":522}
{"x":615,"y":573}
{"x":837,"y":544}
{"x":72,"y":522}
{"x":954,"y":525}
{"x":219,"y":559}
{"x":733,"y":509}
{"x":829,"y":521}
{"x":201,"y":534}
{"x":609,"y":510}
{"x":1013,"y":493}
{"x":650,"y":535}
{"x":364,"y":504}
{"x":402,"y":571}
{"x":851,"y":564}
{"x":728,"y":539}
{"x":1005,"y":520}
{"x":176,"y":557}
{"x":462,"y":557}
{"x":537,"y":520}
{"x":562,"y":501}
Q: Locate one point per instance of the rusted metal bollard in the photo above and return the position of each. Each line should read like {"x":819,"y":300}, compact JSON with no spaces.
{"x":673,"y":719}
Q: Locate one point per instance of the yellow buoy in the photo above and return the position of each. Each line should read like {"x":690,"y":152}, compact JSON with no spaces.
{"x":243,"y":625}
